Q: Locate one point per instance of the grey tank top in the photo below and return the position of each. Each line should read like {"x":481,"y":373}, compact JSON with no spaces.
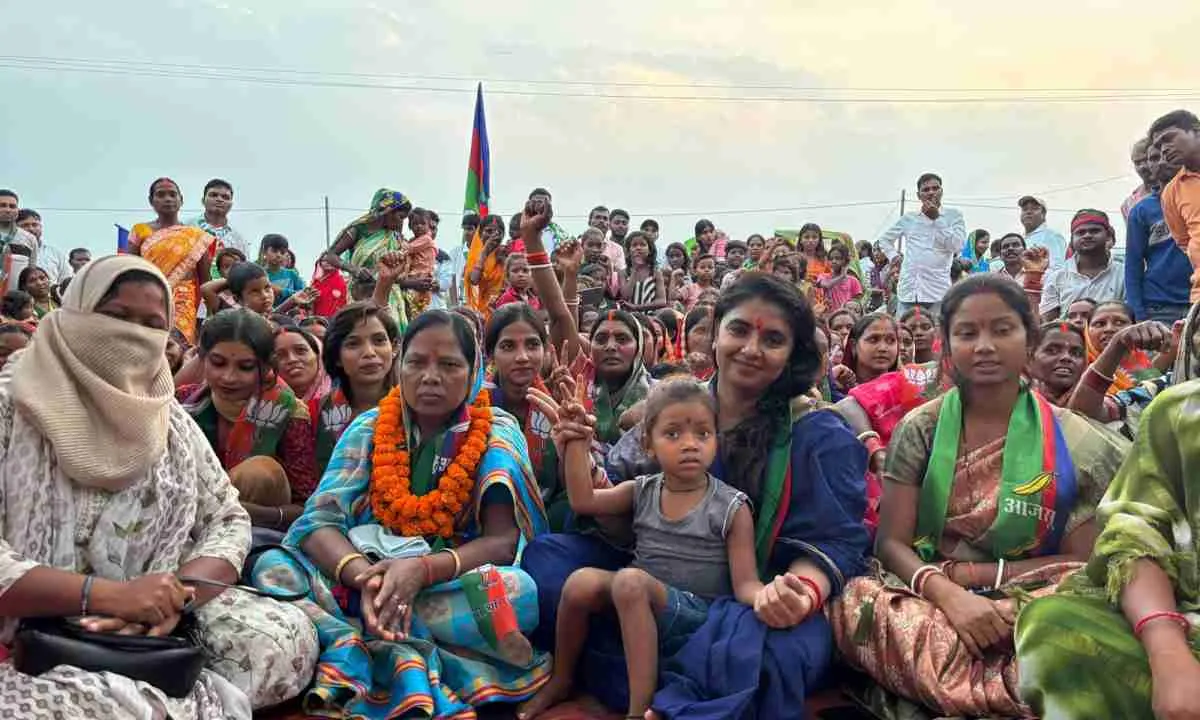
{"x":690,"y":553}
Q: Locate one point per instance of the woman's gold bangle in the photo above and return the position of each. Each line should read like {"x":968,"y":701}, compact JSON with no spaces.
{"x":457,"y":561}
{"x":337,"y":573}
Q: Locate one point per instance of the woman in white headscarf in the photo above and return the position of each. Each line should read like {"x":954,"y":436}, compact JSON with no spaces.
{"x":108,"y":492}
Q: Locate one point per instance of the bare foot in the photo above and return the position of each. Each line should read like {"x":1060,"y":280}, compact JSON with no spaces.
{"x":552,"y":693}
{"x":651,"y":715}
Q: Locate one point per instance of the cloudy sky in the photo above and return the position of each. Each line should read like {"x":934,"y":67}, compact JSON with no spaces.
{"x":833,"y":103}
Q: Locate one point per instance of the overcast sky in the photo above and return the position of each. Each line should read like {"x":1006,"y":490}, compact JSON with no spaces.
{"x":89,"y":140}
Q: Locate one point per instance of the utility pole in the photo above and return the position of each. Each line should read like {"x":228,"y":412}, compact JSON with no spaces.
{"x":903,"y":194}
{"x":326,"y":222}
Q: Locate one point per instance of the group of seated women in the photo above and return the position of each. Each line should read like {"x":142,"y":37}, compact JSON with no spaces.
{"x":451,"y":495}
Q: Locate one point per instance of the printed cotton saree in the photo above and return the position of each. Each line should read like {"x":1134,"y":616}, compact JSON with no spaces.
{"x":176,"y":251}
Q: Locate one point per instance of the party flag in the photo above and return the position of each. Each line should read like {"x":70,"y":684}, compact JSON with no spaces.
{"x":479,"y":166}
{"x":122,"y":240}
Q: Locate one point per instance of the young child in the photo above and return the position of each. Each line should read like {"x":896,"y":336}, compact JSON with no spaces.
{"x":704,"y":270}
{"x":681,"y":507}
{"x":330,"y":285}
{"x":519,"y":283}
{"x":812,"y":245}
{"x":839,"y":286}
{"x":17,"y":306}
{"x":245,"y":285}
{"x":275,"y":258}
{"x":420,"y":259}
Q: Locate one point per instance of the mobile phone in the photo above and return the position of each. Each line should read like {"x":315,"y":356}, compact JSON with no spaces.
{"x":591,"y":296}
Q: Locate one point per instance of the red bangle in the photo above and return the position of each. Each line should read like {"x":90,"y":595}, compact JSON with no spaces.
{"x":812,"y":585}
{"x":538,"y":258}
{"x":873,"y":445}
{"x":1177,"y":618}
{"x":1096,"y":381}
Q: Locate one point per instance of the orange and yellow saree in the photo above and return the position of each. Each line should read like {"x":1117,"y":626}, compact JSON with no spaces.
{"x":176,"y":251}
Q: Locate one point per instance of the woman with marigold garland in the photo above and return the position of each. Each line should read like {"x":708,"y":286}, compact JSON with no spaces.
{"x":410,"y":543}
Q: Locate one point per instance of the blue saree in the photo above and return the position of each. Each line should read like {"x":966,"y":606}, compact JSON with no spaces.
{"x":447,"y":666}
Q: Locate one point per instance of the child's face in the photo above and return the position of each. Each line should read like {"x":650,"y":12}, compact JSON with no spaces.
{"x":810,"y":241}
{"x":840,"y":326}
{"x":326,"y":266}
{"x":593,"y":248}
{"x":519,"y":276}
{"x":683,"y":440}
{"x":908,"y":349}
{"x":705,"y":270}
{"x":587,"y":321}
{"x":24,"y":313}
{"x":418,"y":226}
{"x":227,"y":261}
{"x":675,"y":258}
{"x":597,"y":275}
{"x":837,"y":261}
{"x":784,"y":272}
{"x":275,"y":257}
{"x":258,"y":295}
{"x":755,"y":248}
{"x":639,"y":251}
{"x":9,"y":344}
{"x":735,"y":257}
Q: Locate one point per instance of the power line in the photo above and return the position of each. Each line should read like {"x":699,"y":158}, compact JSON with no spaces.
{"x":1058,"y":189}
{"x":162,"y":72}
{"x":91,"y":62}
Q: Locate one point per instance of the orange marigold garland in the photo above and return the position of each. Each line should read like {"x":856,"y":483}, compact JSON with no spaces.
{"x":433,"y":513}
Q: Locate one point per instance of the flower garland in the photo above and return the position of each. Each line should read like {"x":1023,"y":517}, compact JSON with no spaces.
{"x":391,"y":492}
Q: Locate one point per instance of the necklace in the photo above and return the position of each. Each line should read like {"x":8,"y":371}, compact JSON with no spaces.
{"x":433,"y":513}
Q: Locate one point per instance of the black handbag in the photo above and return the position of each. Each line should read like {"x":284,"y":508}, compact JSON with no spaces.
{"x":171,"y":663}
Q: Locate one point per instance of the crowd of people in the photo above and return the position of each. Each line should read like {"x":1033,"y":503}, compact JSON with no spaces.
{"x":694,"y":483}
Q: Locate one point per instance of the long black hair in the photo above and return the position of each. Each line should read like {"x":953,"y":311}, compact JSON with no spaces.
{"x":743,"y":446}
{"x":344,"y":323}
{"x":507,"y":315}
{"x":850,"y":358}
{"x":1010,"y":293}
{"x":242,"y":326}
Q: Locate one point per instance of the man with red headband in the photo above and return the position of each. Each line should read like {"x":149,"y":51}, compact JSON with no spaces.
{"x":1090,"y":272}
{"x":1177,"y":137}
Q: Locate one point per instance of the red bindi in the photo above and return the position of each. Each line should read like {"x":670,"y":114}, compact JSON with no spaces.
{"x":758,"y":324}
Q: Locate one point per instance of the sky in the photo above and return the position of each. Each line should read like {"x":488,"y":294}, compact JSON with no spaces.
{"x":83,"y":146}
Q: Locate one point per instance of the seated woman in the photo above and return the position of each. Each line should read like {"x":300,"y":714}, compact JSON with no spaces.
{"x":297,"y":360}
{"x":1058,"y":362}
{"x":36,"y":281}
{"x":803,"y":471}
{"x":1096,"y":397}
{"x":1134,"y":364}
{"x":1120,"y":639}
{"x":254,"y":422}
{"x":403,"y":630}
{"x":108,"y":492}
{"x":989,"y":487}
{"x":358,"y":356}
{"x":872,"y":349}
{"x":515,"y":341}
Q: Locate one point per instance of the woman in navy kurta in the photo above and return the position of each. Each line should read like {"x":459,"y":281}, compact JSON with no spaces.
{"x":804,"y":471}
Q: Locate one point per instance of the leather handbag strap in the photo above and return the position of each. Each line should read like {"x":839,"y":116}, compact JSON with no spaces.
{"x":245,"y":586}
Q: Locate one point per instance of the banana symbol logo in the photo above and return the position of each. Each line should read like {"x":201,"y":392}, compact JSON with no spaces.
{"x":1035,"y":485}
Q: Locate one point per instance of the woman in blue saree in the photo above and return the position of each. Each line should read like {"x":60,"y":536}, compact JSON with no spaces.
{"x":804,"y":471}
{"x":407,"y":549}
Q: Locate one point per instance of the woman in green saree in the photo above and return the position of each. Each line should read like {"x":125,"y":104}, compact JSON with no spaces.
{"x":1121,"y":638}
{"x":361,"y":244}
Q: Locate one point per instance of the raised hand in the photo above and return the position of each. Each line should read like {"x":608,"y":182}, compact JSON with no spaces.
{"x":1149,"y":335}
{"x":391,"y":266}
{"x":570,"y":256}
{"x":536,"y":216}
{"x":1035,"y":259}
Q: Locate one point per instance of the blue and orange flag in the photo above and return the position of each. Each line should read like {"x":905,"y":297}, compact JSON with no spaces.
{"x":479,"y":166}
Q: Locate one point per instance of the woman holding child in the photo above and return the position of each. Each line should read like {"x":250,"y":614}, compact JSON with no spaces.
{"x":807,"y":501}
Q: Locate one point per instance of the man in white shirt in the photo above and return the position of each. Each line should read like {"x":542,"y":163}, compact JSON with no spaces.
{"x":598,"y":218}
{"x":1090,"y":273}
{"x":13,"y":238}
{"x":1038,"y":234}
{"x":933,"y":237}
{"x":49,"y":258}
{"x":218,"y":201}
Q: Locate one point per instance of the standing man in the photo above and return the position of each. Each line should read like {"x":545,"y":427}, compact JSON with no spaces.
{"x":1039,"y":234}
{"x":933,"y":237}
{"x":1141,"y":165}
{"x":1157,"y":273}
{"x":1090,"y":273}
{"x":650,"y":227}
{"x":618,"y":227}
{"x":598,"y":218}
{"x":553,"y":235}
{"x":13,"y":241}
{"x":1177,"y":136}
{"x":218,"y":201}
{"x":50,"y":258}
{"x":458,"y":259}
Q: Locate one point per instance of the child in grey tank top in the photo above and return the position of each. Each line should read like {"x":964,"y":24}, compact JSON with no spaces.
{"x":695,"y":542}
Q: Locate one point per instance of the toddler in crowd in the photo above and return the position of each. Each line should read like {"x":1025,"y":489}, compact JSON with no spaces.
{"x":695,"y":542}
{"x":518,"y":282}
{"x":838,"y":285}
{"x":420,"y":259}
